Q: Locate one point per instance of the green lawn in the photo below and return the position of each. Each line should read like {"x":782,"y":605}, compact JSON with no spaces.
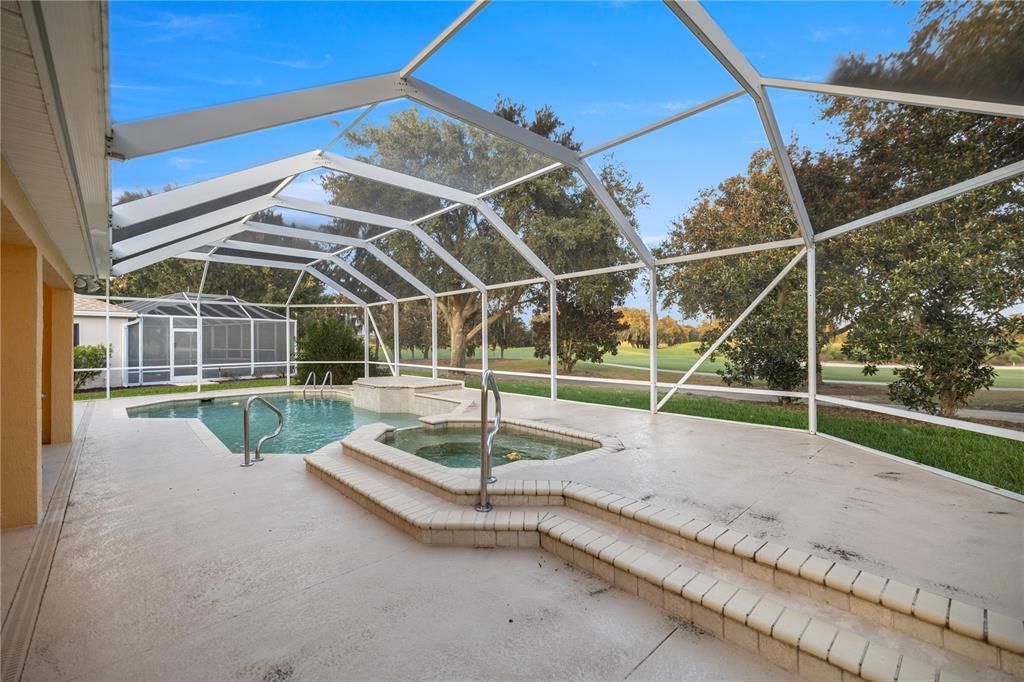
{"x":683,"y":356}
{"x":997,"y":461}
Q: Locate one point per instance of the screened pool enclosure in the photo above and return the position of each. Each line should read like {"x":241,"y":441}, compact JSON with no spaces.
{"x":379,"y":239}
{"x":176,"y":335}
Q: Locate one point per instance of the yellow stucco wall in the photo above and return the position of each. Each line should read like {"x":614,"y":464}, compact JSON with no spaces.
{"x":61,"y":398}
{"x":21,"y":327}
{"x":33,"y":326}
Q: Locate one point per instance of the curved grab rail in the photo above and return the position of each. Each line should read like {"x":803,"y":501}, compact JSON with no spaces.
{"x":328,"y":376}
{"x":487,"y":382}
{"x":264,"y":439}
{"x":309,"y":377}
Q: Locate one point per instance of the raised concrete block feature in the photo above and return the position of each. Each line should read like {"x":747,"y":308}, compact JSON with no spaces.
{"x":398,"y":394}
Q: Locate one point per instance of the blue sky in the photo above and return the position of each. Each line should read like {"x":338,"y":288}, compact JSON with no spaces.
{"x":606,"y":69}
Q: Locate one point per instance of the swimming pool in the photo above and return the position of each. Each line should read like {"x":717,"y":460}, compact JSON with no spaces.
{"x":460,"y":447}
{"x":309,"y":424}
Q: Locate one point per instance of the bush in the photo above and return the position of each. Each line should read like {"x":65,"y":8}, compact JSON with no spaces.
{"x":329,"y":339}
{"x":88,"y":357}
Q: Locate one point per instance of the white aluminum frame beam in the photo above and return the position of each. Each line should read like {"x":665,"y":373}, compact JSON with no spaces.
{"x":239,"y":260}
{"x":732,"y":327}
{"x":197,"y":193}
{"x":485,"y":120}
{"x":259,"y":247}
{"x":512,"y":238}
{"x":334,"y":285}
{"x":700,"y":23}
{"x":662,"y":123}
{"x":447,"y":34}
{"x":533,"y":175}
{"x":332,"y":211}
{"x":616,"y":214}
{"x":953,"y":191}
{"x":366,"y":281}
{"x":173,"y":249}
{"x":426,"y":187}
{"x":163,"y":133}
{"x":969,"y":106}
{"x":732,"y":251}
{"x":341,"y":212}
{"x":350,"y":242}
{"x":187,"y":228}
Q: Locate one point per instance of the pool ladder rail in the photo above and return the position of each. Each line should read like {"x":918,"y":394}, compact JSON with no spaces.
{"x":311,"y":377}
{"x":245,"y":429}
{"x":488,"y":383}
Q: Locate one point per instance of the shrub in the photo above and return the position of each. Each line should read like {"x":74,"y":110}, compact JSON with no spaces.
{"x":329,"y":339}
{"x":88,"y":357}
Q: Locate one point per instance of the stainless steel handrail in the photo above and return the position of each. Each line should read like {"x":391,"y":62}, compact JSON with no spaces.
{"x":309,"y":377}
{"x":487,"y":381}
{"x":264,"y":439}
{"x":327,"y":376}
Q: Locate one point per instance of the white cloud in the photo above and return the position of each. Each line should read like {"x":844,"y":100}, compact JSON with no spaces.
{"x":299,"y":63}
{"x":130,"y":86}
{"x":820,"y":35}
{"x":184,"y":162}
{"x":306,"y":187}
{"x":170,"y":26}
{"x":678,"y":106}
{"x":245,"y":82}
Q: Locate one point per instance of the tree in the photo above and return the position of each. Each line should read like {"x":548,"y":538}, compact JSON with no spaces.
{"x":414,"y":328}
{"x":745,"y":209}
{"x":927,"y":289}
{"x":638,"y":327}
{"x":88,"y":358}
{"x":329,"y":338}
{"x":583,"y":333}
{"x":509,"y":331}
{"x":555,"y":214}
{"x":670,"y":331}
{"x":248,"y":282}
{"x":967,"y":49}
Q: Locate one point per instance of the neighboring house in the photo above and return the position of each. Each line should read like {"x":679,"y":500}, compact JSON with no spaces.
{"x":90,"y":328}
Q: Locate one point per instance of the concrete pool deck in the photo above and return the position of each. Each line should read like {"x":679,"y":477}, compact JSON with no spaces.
{"x":173,"y":562}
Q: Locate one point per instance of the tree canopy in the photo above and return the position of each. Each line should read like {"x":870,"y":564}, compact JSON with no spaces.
{"x":927,"y":290}
{"x":555,"y":215}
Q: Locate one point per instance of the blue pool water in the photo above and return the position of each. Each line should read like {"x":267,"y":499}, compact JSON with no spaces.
{"x":460,"y":448}
{"x":309,"y":424}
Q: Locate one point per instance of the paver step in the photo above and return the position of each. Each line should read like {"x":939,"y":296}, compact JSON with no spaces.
{"x":991,"y":638}
{"x":796,"y":632}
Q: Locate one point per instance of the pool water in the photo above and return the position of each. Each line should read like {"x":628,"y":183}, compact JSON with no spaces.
{"x":460,"y":448}
{"x":309,"y":424}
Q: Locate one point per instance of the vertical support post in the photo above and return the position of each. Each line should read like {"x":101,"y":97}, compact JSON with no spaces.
{"x":812,"y":341}
{"x":652,"y":308}
{"x":287,"y":345}
{"x":142,"y":323}
{"x":106,"y":341}
{"x":252,"y":348}
{"x":553,"y":341}
{"x":395,"y":339}
{"x":433,"y":337}
{"x":483,"y":330}
{"x":366,"y":342}
{"x":199,"y":328}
